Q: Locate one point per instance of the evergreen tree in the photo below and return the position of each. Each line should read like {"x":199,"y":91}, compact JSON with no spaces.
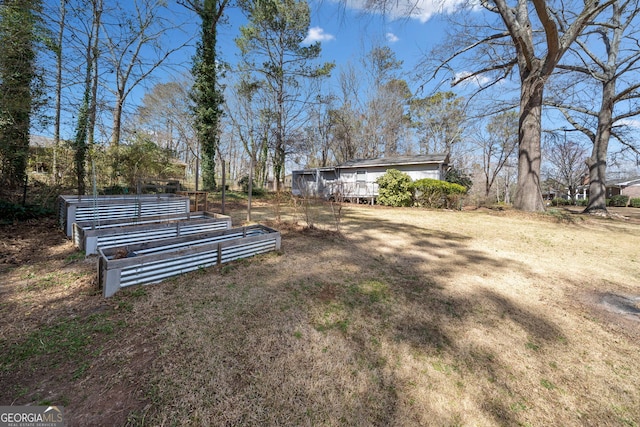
{"x":272,"y":49}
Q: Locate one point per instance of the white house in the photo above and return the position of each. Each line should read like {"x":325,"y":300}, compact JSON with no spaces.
{"x":356,"y":179}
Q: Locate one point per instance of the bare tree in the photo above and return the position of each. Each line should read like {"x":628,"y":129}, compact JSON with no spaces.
{"x":347,"y":118}
{"x":438,"y":119}
{"x":498,"y":146}
{"x":606,"y":60}
{"x":534,"y":40}
{"x":61,"y":18}
{"x":318,"y":142}
{"x":165,"y":113}
{"x":251,"y":125}
{"x":388,"y":95}
{"x":137,"y":44}
{"x":568,"y":160}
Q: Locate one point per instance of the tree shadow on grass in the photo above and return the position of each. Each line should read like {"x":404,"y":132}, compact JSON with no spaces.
{"x":381,"y":300}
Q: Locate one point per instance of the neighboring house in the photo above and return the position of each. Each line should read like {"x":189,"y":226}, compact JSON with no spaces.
{"x":627,"y":187}
{"x":355,"y":180}
{"x":41,"y":153}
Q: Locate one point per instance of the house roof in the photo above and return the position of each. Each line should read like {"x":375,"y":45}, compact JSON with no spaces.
{"x":624,"y":182}
{"x":40,"y":141}
{"x":395,"y":161}
{"x":380,"y":162}
{"x":313,"y":170}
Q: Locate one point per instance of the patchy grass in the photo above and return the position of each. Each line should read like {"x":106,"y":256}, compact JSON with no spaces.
{"x":407,"y":317}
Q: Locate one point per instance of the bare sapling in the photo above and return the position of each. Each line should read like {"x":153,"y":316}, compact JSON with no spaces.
{"x":337,"y":203}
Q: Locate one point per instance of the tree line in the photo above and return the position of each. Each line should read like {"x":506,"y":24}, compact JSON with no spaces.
{"x":276,"y":106}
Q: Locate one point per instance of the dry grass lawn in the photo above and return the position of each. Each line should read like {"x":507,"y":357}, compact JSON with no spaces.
{"x":408,"y":318}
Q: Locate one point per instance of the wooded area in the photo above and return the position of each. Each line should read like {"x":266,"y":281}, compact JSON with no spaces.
{"x":276,"y":107}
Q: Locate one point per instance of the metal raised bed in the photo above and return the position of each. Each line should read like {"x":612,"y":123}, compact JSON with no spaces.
{"x":89,"y":238}
{"x":152,"y":262}
{"x":73,"y":209}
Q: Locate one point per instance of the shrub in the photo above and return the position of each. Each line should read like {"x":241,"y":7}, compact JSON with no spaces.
{"x":10,"y":212}
{"x":255,"y":190}
{"x":457,"y":176}
{"x":395,"y":189}
{"x":434,"y":193}
{"x":635,"y":202}
{"x":244,"y":183}
{"x":115,"y":189}
{"x":559,"y":201}
{"x":582,"y":202}
{"x":619,"y":201}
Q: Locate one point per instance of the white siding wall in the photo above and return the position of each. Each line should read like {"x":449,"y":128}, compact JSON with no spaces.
{"x":355,"y":182}
{"x":349,"y":177}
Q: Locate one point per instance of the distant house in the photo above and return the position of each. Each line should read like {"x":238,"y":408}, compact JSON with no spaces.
{"x":355,"y":180}
{"x":41,"y":153}
{"x":628,"y":187}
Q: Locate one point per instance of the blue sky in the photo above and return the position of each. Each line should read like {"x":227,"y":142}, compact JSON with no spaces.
{"x":348,"y":33}
{"x":345,"y":31}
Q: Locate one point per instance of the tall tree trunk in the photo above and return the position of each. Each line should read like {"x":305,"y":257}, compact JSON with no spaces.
{"x":80,"y":141}
{"x":252,"y":164}
{"x":206,"y":93}
{"x":17,"y":73}
{"x":93,"y":104}
{"x":528,"y":194}
{"x":117,"y":119}
{"x":58,"y":106}
{"x":597,"y":163}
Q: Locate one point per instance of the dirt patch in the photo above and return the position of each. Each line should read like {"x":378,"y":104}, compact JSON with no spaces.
{"x":621,"y":312}
{"x":62,"y":343}
{"x":621,"y":304}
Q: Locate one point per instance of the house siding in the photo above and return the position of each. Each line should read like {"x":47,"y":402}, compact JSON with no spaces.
{"x":356,"y":181}
{"x":633,"y":191}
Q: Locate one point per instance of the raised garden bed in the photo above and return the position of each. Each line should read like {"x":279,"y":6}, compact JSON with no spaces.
{"x":89,"y":237}
{"x":72,"y":209}
{"x":155,"y":261}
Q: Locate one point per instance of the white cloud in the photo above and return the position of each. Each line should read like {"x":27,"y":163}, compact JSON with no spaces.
{"x":317,"y":34}
{"x":633,"y":123}
{"x":421,"y":10}
{"x":392,"y":38}
{"x":476,"y":80}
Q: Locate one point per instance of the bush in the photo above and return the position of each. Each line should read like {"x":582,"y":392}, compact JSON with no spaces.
{"x":10,"y":212}
{"x":115,"y":189}
{"x":619,"y":201}
{"x":582,"y":202}
{"x":559,"y":201}
{"x":395,"y":189}
{"x":255,"y":190}
{"x":635,"y":202}
{"x":434,"y":193}
{"x":457,"y":176}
